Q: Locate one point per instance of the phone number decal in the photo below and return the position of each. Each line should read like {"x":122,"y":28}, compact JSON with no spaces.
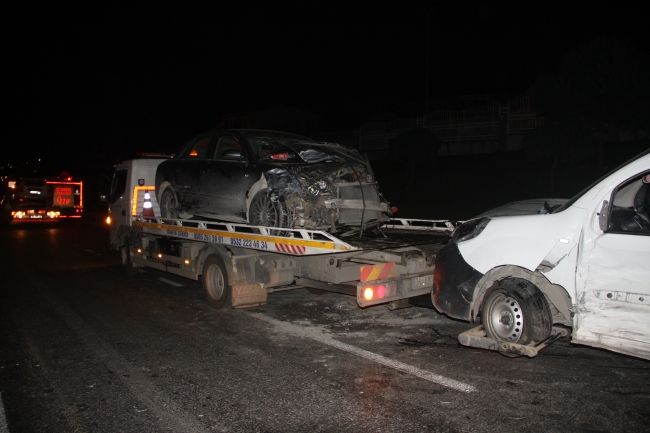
{"x":208,"y":238}
{"x":260,"y":245}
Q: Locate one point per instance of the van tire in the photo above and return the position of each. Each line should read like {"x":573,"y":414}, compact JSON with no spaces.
{"x":516,"y":311}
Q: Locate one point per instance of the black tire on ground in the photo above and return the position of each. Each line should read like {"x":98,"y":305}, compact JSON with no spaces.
{"x":168,"y":203}
{"x":131,"y":269}
{"x":215,"y":282}
{"x":516,"y":311}
{"x":267,"y":213}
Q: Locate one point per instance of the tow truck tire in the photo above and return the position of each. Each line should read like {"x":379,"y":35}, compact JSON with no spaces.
{"x":131,"y":269}
{"x":516,"y":311}
{"x":267,"y":213}
{"x":215,"y":282}
{"x":168,"y":203}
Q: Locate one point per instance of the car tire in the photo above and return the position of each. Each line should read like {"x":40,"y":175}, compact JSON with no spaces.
{"x":266,"y":213}
{"x":168,"y":203}
{"x":516,"y":311}
{"x":215,"y":282}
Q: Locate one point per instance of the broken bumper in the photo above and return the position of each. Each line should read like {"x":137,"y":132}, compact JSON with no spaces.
{"x":453,"y":283}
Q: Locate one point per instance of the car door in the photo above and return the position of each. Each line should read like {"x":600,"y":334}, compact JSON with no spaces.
{"x":614,"y":302}
{"x":225,"y":179}
{"x":188,"y":169}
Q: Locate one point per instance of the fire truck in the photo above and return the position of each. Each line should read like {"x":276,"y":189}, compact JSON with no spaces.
{"x":49,"y":199}
{"x":240,"y":265}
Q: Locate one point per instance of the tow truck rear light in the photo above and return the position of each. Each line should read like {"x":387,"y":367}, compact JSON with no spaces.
{"x":379,"y":291}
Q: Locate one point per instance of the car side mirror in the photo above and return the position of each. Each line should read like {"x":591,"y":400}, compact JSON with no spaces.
{"x":233,"y":154}
{"x":602,"y":216}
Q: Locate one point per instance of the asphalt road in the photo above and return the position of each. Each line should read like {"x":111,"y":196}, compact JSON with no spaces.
{"x":87,"y":349}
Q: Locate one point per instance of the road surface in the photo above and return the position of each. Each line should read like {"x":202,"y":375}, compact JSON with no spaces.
{"x":87,"y":349}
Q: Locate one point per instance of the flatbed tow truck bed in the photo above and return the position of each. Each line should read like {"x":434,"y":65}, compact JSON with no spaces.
{"x":389,"y":265}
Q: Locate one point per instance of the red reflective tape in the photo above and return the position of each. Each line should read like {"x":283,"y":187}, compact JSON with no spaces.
{"x":377,"y":272}
{"x":387,"y":271}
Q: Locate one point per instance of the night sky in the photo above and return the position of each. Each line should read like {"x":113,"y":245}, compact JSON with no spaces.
{"x":92,"y":82}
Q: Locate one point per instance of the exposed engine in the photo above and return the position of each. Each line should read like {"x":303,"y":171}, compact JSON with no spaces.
{"x":326,"y":196}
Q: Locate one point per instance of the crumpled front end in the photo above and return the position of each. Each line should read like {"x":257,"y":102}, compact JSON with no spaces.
{"x":454,"y":281}
{"x":328,"y":196}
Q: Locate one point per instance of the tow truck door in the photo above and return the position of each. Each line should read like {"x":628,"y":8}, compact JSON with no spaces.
{"x":119,"y":203}
{"x":613,"y":309}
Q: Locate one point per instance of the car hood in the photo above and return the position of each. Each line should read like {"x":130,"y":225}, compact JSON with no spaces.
{"x":312,"y":153}
{"x":523,"y":207}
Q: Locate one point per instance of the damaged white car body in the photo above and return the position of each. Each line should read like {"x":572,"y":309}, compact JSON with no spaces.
{"x":584,"y":263}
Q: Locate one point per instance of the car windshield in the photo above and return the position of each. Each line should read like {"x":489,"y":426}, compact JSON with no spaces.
{"x":264,"y":142}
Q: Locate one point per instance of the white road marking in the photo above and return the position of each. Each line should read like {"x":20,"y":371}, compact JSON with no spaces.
{"x":90,"y":251}
{"x":3,"y":419}
{"x":165,"y":407}
{"x":315,"y":334}
{"x":173,"y":283}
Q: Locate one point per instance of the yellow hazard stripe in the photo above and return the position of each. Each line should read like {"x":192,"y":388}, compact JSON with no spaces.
{"x":227,"y":234}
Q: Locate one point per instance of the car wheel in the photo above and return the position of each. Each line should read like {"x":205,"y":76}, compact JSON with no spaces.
{"x":168,"y":203}
{"x":267,"y":213}
{"x":215,"y":282}
{"x":515,"y":311}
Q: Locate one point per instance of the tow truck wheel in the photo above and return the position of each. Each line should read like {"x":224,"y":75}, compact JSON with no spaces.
{"x":125,"y":254}
{"x":168,"y":203}
{"x":215,"y":282}
{"x":515,"y":311}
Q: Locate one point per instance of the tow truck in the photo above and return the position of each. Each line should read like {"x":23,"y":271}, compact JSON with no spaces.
{"x":240,"y":264}
{"x":48,"y":199}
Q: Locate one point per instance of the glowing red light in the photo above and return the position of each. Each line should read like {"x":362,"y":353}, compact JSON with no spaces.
{"x":280,"y":156}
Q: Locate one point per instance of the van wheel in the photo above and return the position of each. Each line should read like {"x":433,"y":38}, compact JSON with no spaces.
{"x":215,"y":282}
{"x":516,"y":311}
{"x":168,"y":203}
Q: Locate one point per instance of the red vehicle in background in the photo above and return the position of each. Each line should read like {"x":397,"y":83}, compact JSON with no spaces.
{"x":47,"y":199}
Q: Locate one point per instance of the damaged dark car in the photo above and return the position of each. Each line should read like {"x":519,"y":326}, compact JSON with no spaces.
{"x":272,"y":179}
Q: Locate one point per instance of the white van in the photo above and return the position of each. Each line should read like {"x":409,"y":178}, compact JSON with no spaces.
{"x":583,"y":263}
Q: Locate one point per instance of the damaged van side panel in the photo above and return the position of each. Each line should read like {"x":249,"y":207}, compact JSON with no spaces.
{"x":614,"y":293}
